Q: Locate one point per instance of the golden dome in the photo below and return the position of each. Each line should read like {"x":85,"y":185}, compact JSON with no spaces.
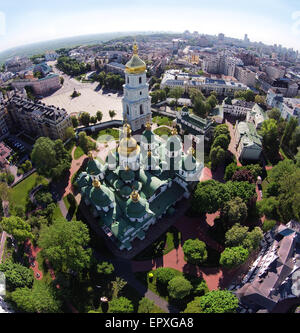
{"x":128,"y":144}
{"x":96,"y":183}
{"x":135,"y":65}
{"x":135,"y":197}
{"x":148,"y":126}
{"x":174,"y":131}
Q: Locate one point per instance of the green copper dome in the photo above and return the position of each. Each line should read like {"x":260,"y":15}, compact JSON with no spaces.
{"x":84,"y":180}
{"x":127,"y":175}
{"x":136,"y":209}
{"x":99,"y":196}
{"x":94,"y":167}
{"x":125,"y":191}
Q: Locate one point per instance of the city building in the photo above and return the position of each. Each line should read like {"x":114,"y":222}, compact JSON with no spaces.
{"x":37,"y":119}
{"x":237,"y":108}
{"x":247,"y":142}
{"x":138,"y":184}
{"x":175,"y":78}
{"x":194,"y":125}
{"x":256,"y":116}
{"x":4,"y":131}
{"x":273,"y":282}
{"x":116,"y":68}
{"x":51,"y":56}
{"x":245,"y":75}
{"x":41,"y":87}
{"x":17,"y":64}
{"x":136,"y":100}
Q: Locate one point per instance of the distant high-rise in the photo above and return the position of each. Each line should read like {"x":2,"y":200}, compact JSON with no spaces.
{"x":221,"y":37}
{"x":246,"y":39}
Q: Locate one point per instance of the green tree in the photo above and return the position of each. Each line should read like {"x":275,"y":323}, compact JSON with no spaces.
{"x":208,"y":197}
{"x":40,"y":299}
{"x":222,"y":141}
{"x":212,"y":101}
{"x":222,"y":129}
{"x":146,"y":306}
{"x":269,"y":132}
{"x":200,"y":107}
{"x":219,"y":301}
{"x":268,"y":207}
{"x":260,"y":100}
{"x":179,"y":287}
{"x":164,"y":275}
{"x":235,"y":236}
{"x":233,"y":256}
{"x":253,"y":239}
{"x":217,"y":157}
{"x":288,"y":132}
{"x":235,"y":211}
{"x":193,"y":306}
{"x":85,"y":119}
{"x":65,"y":245}
{"x":105,"y":269}
{"x":85,"y":142}
{"x":120,"y":305}
{"x":294,"y":143}
{"x":268,"y":225}
{"x":274,"y":114}
{"x":99,"y":116}
{"x":176,"y":93}
{"x":230,"y":170}
{"x":117,"y":286}
{"x":43,"y":156}
{"x":75,"y":122}
{"x":112,"y":114}
{"x":16,"y":275}
{"x":16,"y":227}
{"x":70,"y":133}
{"x":195,"y":251}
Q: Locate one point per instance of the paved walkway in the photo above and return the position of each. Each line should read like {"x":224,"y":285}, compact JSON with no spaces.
{"x":232,"y":145}
{"x":33,"y":252}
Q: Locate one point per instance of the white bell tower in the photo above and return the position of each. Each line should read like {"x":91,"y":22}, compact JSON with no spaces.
{"x":136,"y":100}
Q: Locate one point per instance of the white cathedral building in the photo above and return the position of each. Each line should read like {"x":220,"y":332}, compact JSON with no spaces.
{"x":136,"y":100}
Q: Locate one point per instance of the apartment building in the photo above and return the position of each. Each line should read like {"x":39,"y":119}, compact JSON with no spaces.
{"x":37,"y":119}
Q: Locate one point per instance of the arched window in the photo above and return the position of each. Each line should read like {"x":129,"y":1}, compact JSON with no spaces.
{"x":128,"y":80}
{"x":140,"y":80}
{"x":127,"y":109}
{"x":141,"y":109}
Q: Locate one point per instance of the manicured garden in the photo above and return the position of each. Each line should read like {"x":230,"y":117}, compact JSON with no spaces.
{"x":160,"y":121}
{"x":78,"y":153}
{"x":163,"y":131}
{"x":106,"y":135}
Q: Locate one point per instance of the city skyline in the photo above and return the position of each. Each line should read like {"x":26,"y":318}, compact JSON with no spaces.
{"x":266,"y":22}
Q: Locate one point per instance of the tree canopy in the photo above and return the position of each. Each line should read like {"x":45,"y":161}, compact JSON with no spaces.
{"x":120,"y":305}
{"x":233,"y":256}
{"x":65,"y":245}
{"x":218,"y":301}
{"x":179,"y":287}
{"x":16,"y":227}
{"x":16,"y":275}
{"x":195,"y":251}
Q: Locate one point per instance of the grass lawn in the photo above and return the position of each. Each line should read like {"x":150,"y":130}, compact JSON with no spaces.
{"x":57,"y":215}
{"x":109,"y":134}
{"x":21,"y":191}
{"x":163,"y":131}
{"x":44,"y":269}
{"x":160,"y":121}
{"x":78,"y":153}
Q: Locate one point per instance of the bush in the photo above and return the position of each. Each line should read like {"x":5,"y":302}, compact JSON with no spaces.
{"x":268,"y":225}
{"x":179,"y":287}
{"x":195,"y":251}
{"x":120,"y":305}
{"x":146,"y":306}
{"x":164,"y":276}
{"x":233,"y":256}
{"x":105,"y":268}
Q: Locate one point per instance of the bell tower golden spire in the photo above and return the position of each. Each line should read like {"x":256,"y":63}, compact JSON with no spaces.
{"x":135,"y":47}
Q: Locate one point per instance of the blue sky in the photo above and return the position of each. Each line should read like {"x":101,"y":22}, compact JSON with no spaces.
{"x":268,"y":21}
